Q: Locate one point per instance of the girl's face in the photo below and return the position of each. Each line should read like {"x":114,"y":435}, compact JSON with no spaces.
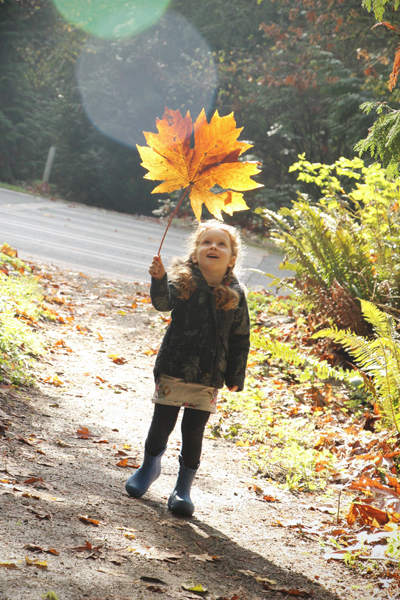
{"x":214,"y":254}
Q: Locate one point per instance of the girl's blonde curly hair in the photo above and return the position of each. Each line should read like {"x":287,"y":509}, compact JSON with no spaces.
{"x":181,"y":271}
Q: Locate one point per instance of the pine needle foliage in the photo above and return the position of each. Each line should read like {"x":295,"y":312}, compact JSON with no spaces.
{"x":343,"y":248}
{"x":379,"y":359}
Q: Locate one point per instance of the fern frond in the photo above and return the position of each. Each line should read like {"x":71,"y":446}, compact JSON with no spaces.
{"x":379,"y":359}
{"x":321,"y":369}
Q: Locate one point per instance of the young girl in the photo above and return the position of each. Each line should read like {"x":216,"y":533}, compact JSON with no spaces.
{"x":206,"y":345}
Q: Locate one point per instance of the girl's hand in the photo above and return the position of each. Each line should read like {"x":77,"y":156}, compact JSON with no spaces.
{"x":156,"y":268}
{"x":233,"y":388}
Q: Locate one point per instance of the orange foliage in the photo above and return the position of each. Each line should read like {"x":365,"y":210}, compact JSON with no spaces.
{"x":213,"y":161}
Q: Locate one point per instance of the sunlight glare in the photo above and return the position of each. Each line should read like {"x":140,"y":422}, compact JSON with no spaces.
{"x":112,"y":19}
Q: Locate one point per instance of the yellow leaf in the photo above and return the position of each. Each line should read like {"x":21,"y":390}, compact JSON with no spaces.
{"x":213,"y":161}
{"x":35,"y":563}
{"x":8,"y":565}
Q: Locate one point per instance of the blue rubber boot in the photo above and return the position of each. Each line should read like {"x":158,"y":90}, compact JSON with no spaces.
{"x":140,"y":481}
{"x":179,"y":501}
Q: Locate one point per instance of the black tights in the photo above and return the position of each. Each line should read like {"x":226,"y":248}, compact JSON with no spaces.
{"x":163,"y":423}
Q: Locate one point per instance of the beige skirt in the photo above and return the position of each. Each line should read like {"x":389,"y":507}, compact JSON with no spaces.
{"x":176,"y":392}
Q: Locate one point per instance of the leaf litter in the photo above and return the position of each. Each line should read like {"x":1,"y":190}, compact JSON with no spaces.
{"x":362,"y":458}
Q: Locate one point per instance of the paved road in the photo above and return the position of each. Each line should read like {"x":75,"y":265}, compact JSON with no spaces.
{"x":101,"y":242}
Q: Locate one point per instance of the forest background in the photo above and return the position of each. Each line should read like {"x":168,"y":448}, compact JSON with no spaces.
{"x":294,"y":73}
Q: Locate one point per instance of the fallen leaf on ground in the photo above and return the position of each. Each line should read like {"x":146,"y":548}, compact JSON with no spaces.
{"x":152,"y":580}
{"x":55,"y":380}
{"x":8,"y":565}
{"x":113,"y":573}
{"x":154,"y":554}
{"x":62,"y":443}
{"x":88,"y":521}
{"x":118,"y":360}
{"x":190,"y":586}
{"x":87,"y":548}
{"x":367,"y":514}
{"x":150,"y":351}
{"x":127,"y":462}
{"x":35,"y":563}
{"x":204,"y":557}
{"x":84,"y":433}
{"x":24,"y":441}
{"x":130,"y":536}
{"x":29,"y":495}
{"x":34,"y":548}
{"x":299,"y":593}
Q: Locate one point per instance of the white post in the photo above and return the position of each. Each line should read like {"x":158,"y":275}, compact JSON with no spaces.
{"x":49,"y":164}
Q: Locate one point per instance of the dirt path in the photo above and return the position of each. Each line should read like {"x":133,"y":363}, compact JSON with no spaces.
{"x":137,"y":549}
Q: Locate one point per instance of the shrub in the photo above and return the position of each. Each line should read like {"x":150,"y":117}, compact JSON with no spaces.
{"x":343,"y":248}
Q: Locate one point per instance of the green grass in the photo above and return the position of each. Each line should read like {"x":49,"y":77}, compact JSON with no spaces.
{"x":20,"y":309}
{"x":14,"y":188}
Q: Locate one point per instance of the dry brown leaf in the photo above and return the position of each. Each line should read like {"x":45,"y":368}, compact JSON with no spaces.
{"x":88,"y":521}
{"x":84,"y":433}
{"x":299,"y":593}
{"x":118,"y":360}
{"x":87,"y":548}
{"x":368,"y":515}
{"x":34,"y":480}
{"x":34,"y":548}
{"x":204,"y":557}
{"x":125,"y":463}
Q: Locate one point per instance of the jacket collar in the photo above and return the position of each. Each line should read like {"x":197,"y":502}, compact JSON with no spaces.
{"x":202,"y":283}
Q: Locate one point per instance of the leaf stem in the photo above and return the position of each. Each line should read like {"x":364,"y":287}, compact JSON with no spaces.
{"x":172,"y":216}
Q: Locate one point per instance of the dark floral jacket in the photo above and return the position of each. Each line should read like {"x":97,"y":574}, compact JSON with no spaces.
{"x":202,"y":344}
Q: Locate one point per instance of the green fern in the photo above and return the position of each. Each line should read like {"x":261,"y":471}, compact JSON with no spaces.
{"x":379,"y":359}
{"x":313,"y":367}
{"x":343,"y":248}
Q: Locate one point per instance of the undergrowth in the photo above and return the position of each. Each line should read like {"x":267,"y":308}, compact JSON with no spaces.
{"x":20,"y":299}
{"x":289,"y":397}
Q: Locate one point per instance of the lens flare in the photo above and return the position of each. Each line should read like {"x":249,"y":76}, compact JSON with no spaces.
{"x":112,"y":19}
{"x":126,"y":84}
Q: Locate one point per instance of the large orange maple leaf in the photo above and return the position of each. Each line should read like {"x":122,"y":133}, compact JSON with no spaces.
{"x":213,"y":161}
